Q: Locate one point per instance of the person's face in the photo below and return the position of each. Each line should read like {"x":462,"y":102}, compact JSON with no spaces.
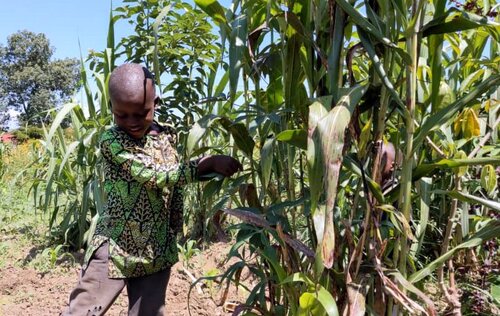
{"x":388,"y":160}
{"x":135,"y":115}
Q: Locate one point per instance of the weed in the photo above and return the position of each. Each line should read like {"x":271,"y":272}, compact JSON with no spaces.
{"x":211,"y":274}
{"x":55,"y":254}
{"x":187,"y":252}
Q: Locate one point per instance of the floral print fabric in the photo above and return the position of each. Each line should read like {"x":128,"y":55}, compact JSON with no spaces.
{"x":143,"y":183}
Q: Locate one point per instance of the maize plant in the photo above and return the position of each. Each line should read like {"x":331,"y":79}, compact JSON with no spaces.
{"x":369,"y":135}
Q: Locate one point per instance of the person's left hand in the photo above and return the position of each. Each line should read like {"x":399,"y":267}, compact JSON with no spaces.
{"x":221,"y":164}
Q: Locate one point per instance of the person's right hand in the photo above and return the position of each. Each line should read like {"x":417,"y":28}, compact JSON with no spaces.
{"x":221,"y":164}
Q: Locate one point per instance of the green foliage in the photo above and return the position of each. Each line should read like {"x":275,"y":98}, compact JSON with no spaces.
{"x":210,"y":275}
{"x":29,"y":132}
{"x":34,"y":132}
{"x":54,"y":254}
{"x":327,"y":218}
{"x":66,"y":185}
{"x":34,"y":82}
{"x":2,"y":163}
{"x":20,"y":135}
{"x":411,"y":97}
{"x":70,"y":173}
{"x":177,"y":42}
{"x":316,"y":297}
{"x":24,"y":241}
{"x":188,"y":251}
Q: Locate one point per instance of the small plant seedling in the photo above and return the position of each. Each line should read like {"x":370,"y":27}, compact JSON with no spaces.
{"x":187,"y":252}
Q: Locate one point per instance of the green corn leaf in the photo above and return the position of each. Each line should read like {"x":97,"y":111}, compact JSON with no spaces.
{"x":435,"y":57}
{"x":99,"y":196}
{"x":214,"y":10}
{"x":427,"y":170}
{"x":86,"y":86}
{"x":424,"y":193}
{"x":269,"y":254}
{"x":82,"y":214}
{"x":293,"y":74}
{"x":56,"y":124}
{"x":455,"y":20}
{"x":71,"y":148}
{"x":237,"y":50}
{"x":295,"y":137}
{"x":334,"y":58}
{"x":240,"y":134}
{"x":48,"y":189}
{"x":110,"y":40}
{"x":211,"y":189}
{"x":471,"y":79}
{"x":76,"y":124}
{"x":156,"y":62}
{"x":351,"y":164}
{"x":365,"y":138}
{"x":222,"y":84}
{"x":398,"y":219}
{"x":279,"y":207}
{"x":101,"y":83}
{"x":488,"y":231}
{"x":198,"y":131}
{"x":469,"y":198}
{"x":87,"y":237}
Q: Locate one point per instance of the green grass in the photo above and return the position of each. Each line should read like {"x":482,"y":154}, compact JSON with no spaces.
{"x":25,"y":240}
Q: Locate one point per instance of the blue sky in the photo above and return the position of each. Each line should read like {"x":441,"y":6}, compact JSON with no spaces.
{"x":63,"y":21}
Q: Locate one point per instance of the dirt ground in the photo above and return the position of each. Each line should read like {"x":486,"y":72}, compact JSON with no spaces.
{"x":24,"y":291}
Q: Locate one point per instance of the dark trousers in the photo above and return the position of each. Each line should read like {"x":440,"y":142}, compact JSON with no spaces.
{"x":95,"y":292}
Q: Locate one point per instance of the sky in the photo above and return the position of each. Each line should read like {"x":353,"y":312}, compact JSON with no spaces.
{"x":63,"y":21}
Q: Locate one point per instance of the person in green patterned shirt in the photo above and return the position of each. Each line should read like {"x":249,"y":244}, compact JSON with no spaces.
{"x":134,"y":243}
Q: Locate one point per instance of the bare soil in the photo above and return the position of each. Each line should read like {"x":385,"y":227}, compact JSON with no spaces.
{"x":24,"y":291}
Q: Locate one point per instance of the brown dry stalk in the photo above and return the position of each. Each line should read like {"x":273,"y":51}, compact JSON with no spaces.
{"x":398,"y":295}
{"x":435,"y":147}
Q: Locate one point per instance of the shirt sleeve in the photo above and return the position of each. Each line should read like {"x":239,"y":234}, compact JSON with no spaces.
{"x":142,"y":167}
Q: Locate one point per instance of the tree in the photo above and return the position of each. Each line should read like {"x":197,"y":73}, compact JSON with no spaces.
{"x":185,"y":50}
{"x":31,"y":82}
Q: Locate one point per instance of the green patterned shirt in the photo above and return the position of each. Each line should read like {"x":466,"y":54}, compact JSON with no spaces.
{"x":143,"y":211}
